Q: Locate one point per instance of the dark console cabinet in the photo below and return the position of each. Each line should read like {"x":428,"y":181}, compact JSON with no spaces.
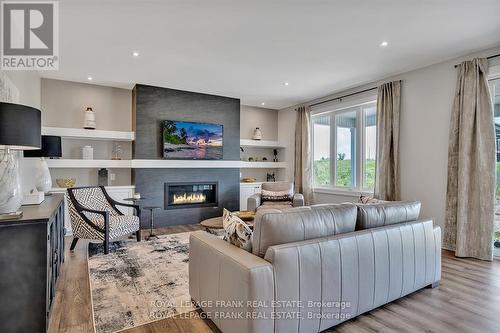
{"x":31,"y":255}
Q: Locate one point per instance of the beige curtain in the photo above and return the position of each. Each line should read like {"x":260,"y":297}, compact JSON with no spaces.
{"x":470,"y":198}
{"x":303,"y":168}
{"x":387,"y":178}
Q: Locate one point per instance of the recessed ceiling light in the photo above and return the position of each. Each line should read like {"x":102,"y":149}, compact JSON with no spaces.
{"x":384,"y":44}
{"x":262,"y":103}
{"x":89,"y":78}
{"x":135,"y":54}
{"x":286,"y":83}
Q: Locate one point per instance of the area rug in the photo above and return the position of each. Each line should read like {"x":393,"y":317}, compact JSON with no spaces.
{"x":139,"y":282}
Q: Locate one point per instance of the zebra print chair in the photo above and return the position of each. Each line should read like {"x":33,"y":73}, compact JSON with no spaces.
{"x":94,"y":215}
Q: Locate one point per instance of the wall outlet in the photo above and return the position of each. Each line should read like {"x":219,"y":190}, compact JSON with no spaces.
{"x":112,"y":176}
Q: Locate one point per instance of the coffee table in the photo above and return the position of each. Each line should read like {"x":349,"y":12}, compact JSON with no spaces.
{"x":215,"y":223}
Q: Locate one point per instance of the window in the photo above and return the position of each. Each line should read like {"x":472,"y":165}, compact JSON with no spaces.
{"x":344,"y":146}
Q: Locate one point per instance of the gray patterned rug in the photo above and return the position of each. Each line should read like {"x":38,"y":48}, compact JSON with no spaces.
{"x":139,"y":282}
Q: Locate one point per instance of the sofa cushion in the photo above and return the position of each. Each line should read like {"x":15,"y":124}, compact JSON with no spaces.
{"x":278,"y":186}
{"x":274,"y":226}
{"x":285,"y":195}
{"x":367,"y":199}
{"x":390,"y":212}
{"x":275,"y":205}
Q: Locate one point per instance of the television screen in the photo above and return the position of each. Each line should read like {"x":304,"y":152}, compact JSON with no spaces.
{"x":189,"y":140}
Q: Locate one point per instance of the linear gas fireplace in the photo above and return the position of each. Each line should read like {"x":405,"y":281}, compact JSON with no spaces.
{"x":189,"y":195}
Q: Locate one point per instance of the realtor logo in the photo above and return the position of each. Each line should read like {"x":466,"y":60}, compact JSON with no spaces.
{"x":30,"y":35}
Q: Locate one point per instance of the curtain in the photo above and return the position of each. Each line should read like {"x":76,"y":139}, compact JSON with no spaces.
{"x":387,"y":177}
{"x":303,"y":156}
{"x":470,"y":199}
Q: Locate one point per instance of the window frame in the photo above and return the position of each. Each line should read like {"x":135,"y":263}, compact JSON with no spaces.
{"x":335,"y":109}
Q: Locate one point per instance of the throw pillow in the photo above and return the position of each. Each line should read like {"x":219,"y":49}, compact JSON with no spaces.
{"x":276,"y":195}
{"x":237,"y":232}
{"x":365,"y":199}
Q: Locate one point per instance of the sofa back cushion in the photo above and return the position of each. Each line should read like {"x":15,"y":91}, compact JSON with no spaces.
{"x":278,"y":186}
{"x":391,"y":212}
{"x":274,"y":227}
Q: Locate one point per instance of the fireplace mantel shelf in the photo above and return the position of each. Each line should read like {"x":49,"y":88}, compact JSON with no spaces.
{"x":160,"y":164}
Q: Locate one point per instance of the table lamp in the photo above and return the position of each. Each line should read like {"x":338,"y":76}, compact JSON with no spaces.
{"x":51,"y":148}
{"x":20,"y":128}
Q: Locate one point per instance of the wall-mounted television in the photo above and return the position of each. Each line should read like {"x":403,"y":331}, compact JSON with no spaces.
{"x":191,"y":141}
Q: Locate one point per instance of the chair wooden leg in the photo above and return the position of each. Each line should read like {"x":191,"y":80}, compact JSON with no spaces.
{"x":138,"y":235}
{"x":106,"y":246}
{"x":73,"y":243}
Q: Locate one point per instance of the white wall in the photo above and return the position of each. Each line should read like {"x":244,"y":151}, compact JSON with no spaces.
{"x":267,"y":120}
{"x":28,"y":84}
{"x":426,"y":101}
{"x":286,"y":134}
{"x":252,"y":117}
{"x":63,"y":104}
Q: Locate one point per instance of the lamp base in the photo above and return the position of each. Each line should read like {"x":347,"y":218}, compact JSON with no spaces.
{"x":11,"y":216}
{"x":11,"y":195}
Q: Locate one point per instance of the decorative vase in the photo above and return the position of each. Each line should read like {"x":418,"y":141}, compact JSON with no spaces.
{"x":257,"y":134}
{"x":89,"y":122}
{"x":87,"y":153}
{"x":117,"y":152}
{"x":102,"y":177}
{"x":43,"y":179}
{"x":11,"y":196}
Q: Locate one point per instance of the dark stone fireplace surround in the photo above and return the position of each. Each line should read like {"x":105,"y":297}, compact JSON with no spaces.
{"x":206,"y":195}
{"x":152,"y":105}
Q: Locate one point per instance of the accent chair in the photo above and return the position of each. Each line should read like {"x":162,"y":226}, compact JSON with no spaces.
{"x":258,"y":201}
{"x":94,"y":216}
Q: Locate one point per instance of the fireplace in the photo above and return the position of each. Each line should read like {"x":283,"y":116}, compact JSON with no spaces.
{"x":190,"y":195}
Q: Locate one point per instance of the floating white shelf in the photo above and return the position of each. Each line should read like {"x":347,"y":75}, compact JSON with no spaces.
{"x":78,"y":133}
{"x":261,"y":144}
{"x":160,"y":164}
{"x":88,"y":164}
{"x":262,"y":165}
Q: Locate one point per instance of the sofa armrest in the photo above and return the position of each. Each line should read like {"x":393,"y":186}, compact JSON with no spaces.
{"x":298,"y":200}
{"x":225,"y":280}
{"x":254,"y":201}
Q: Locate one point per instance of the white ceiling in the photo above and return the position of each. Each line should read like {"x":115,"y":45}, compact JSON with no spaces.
{"x":248,"y":49}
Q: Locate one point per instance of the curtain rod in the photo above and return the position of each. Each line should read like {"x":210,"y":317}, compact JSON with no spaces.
{"x":490,"y":57}
{"x":341,"y":97}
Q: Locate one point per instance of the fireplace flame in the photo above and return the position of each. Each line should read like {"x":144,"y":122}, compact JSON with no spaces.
{"x":189,"y":198}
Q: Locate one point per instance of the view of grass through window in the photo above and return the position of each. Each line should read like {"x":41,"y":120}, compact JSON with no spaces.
{"x":346,"y":123}
{"x":342,"y":140}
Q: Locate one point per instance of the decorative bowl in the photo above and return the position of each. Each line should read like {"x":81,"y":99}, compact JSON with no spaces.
{"x":245,"y":215}
{"x":66,"y":182}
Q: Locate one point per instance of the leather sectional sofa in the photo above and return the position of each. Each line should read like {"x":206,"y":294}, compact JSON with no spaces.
{"x":314,"y":267}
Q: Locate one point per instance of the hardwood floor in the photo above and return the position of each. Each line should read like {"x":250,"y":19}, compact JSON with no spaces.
{"x":72,"y":309}
{"x":468,"y":300}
